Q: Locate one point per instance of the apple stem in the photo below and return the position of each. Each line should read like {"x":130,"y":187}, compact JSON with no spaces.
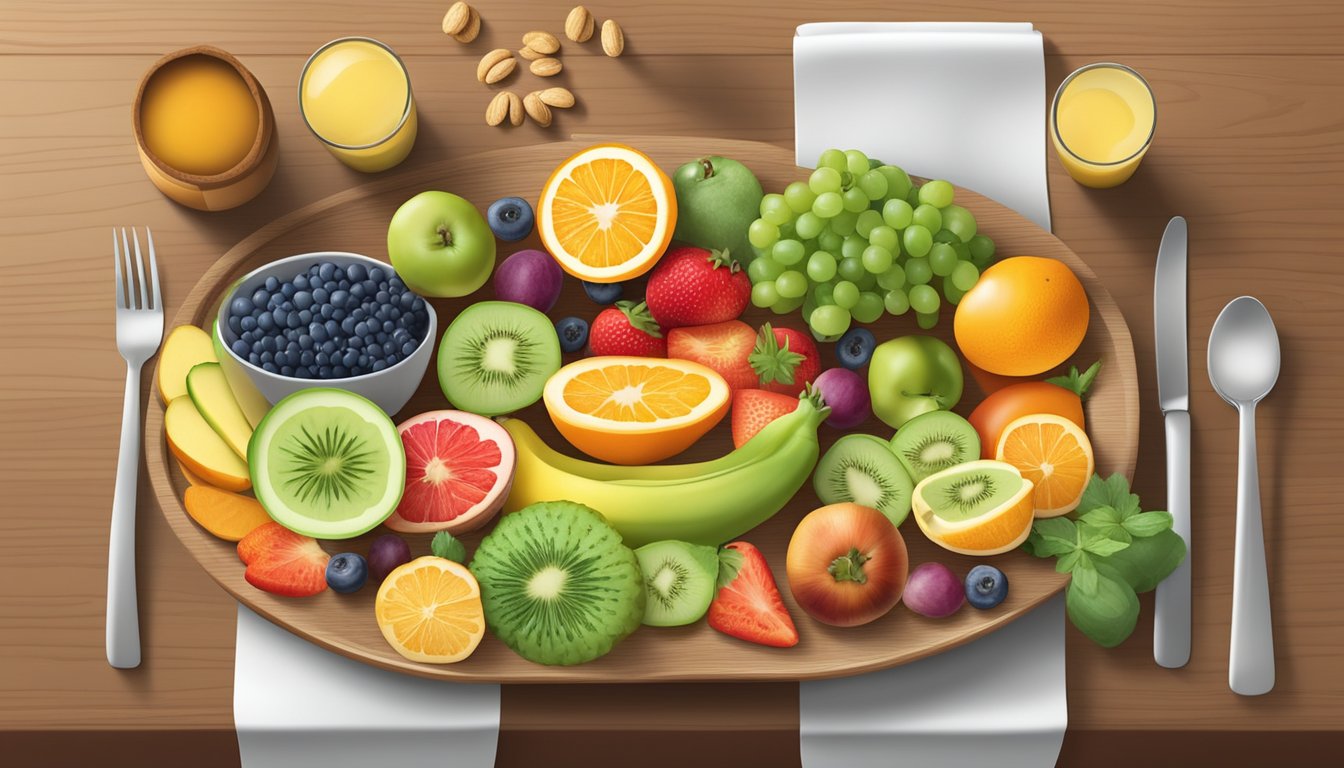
{"x":446,"y":235}
{"x":707,"y":166}
{"x":849,"y":567}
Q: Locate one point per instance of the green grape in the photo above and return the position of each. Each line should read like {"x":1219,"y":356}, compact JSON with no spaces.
{"x":856,"y":162}
{"x":898,"y":182}
{"x":965,"y":275}
{"x":788,"y":232}
{"x":867,"y":282}
{"x":873,"y":184}
{"x":834,"y":159}
{"x":927,"y":321}
{"x":762,"y":234}
{"x":924,"y":299}
{"x":809,"y":225}
{"x":821,"y":266}
{"x":785,"y":305}
{"x":982,"y":250}
{"x":918,"y":271}
{"x":823,"y":294}
{"x":775,"y":210}
{"x":912,"y":197}
{"x":884,"y":236}
{"x":866,"y":221}
{"x":896,"y":302}
{"x":945,"y":236}
{"x":828,"y":240}
{"x":763,"y":268}
{"x":828,"y":204}
{"x":785,"y":253}
{"x":963,"y":250}
{"x":952,"y":293}
{"x":852,"y":247}
{"x":960,"y":221}
{"x":942,"y":259}
{"x":937,"y":193}
{"x":844,"y":222}
{"x":869,"y":308}
{"x":855,"y":200}
{"x":799,"y":196}
{"x":928,"y":217}
{"x":846,"y":294}
{"x":915,"y":238}
{"x":897,"y":213}
{"x":892,"y":278}
{"x":824,"y":180}
{"x":830,"y":320}
{"x":763,"y":294}
{"x":851,"y":269}
{"x":876,"y":259}
{"x":791,"y":284}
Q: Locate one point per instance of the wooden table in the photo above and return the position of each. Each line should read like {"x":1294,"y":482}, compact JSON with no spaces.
{"x":1249,"y":148}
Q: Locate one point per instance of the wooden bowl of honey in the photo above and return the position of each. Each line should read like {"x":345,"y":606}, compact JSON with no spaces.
{"x":205,"y":129}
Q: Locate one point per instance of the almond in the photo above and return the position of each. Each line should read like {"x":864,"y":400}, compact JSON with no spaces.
{"x":546,"y":67}
{"x":560,"y":98}
{"x":455,"y":20}
{"x":536,"y":109}
{"x":613,"y":39}
{"x":529,"y":54}
{"x":515,"y":108}
{"x":489,"y":60}
{"x":541,"y":42}
{"x":498,"y":109}
{"x":472,"y":29}
{"x":579,"y":24}
{"x":501,"y":70}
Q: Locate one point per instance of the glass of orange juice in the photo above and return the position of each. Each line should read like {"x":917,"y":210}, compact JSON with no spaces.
{"x":1102,"y":122}
{"x":355,"y":95}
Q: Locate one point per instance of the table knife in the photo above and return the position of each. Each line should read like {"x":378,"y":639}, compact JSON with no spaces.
{"x":1171,"y":620}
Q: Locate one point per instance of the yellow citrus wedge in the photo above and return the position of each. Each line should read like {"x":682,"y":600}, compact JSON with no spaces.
{"x":977,"y":508}
{"x":607,"y":214}
{"x":1054,"y":454}
{"x":635,"y":410}
{"x":430,"y":610}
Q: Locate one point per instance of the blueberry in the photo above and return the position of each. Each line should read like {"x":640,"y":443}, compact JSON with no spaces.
{"x":254,"y":358}
{"x":339,"y":298}
{"x":573,"y":333}
{"x":326,"y":312}
{"x":405,"y":300}
{"x":235,"y":324}
{"x":321,"y":295}
{"x":260,"y":297}
{"x":307,"y":358}
{"x":855,"y":348}
{"x":326,"y":270}
{"x":333,"y":328}
{"x":240,"y":348}
{"x":300,"y":282}
{"x":288,"y":290}
{"x":248,"y":323}
{"x":303,"y":299}
{"x":318,"y":331}
{"x":286,"y":370}
{"x":305,"y":317}
{"x":356,"y":272}
{"x":328,"y":346}
{"x":379,"y":365}
{"x":418,"y":306}
{"x":377,"y":275}
{"x":347,"y":572}
{"x":305,"y":341}
{"x":339,"y":371}
{"x":338,"y":274}
{"x":357,"y":291}
{"x":350,"y":357}
{"x":348,"y":325}
{"x":269,"y":368}
{"x":382,"y":297}
{"x":510,"y":218}
{"x":389,"y":326}
{"x":293,"y":320}
{"x":407,"y":348}
{"x":603,"y":293}
{"x":240,"y":306}
{"x":986,"y":587}
{"x":337,"y":314}
{"x":324,"y":372}
{"x":355,"y":342}
{"x":363,"y":361}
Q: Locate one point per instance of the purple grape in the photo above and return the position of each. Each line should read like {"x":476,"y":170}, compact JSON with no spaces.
{"x":846,"y":392}
{"x":529,"y":277}
{"x":933,"y":590}
{"x":387,"y":552}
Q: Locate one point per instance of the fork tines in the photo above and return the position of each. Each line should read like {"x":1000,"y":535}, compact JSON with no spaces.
{"x":128,"y":277}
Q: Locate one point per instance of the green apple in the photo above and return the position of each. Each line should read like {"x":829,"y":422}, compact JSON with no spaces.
{"x":913,"y":375}
{"x":717,"y":199}
{"x":440,"y":245}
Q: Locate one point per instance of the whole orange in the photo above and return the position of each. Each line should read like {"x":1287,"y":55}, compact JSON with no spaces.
{"x":1026,"y":315}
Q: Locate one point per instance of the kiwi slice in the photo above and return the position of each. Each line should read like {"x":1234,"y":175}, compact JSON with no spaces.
{"x":934,"y":441}
{"x":971,"y":491}
{"x":327,"y":463}
{"x":678,"y":581}
{"x":557,"y":584}
{"x":496,"y":356}
{"x":862,"y":469}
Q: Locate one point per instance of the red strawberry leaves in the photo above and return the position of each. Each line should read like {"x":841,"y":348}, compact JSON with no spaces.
{"x":785,"y":360}
{"x":626,"y":329}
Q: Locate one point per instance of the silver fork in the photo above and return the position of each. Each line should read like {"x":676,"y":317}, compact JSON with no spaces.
{"x":139,"y":332}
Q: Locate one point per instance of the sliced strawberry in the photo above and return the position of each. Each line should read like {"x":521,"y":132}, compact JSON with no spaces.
{"x":693,"y":286}
{"x":786,"y":360}
{"x":282,"y":562}
{"x":748,"y":605}
{"x":626,"y":329}
{"x":754,"y":408}
{"x":723,"y":347}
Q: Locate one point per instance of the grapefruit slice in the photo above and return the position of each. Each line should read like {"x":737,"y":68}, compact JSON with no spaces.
{"x":1055,"y":455}
{"x":977,"y":508}
{"x":459,"y":468}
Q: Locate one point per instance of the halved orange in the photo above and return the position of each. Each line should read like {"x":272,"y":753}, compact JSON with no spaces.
{"x":1054,"y":454}
{"x":977,"y":508}
{"x":635,"y":410}
{"x":607,"y":214}
{"x":430,"y":610}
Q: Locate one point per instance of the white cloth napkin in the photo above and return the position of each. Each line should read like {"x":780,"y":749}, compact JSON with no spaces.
{"x":963,"y":102}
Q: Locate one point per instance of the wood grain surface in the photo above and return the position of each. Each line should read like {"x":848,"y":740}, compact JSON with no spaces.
{"x":1249,"y":148}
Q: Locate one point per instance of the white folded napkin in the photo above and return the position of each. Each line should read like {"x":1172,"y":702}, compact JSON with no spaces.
{"x":963,"y":102}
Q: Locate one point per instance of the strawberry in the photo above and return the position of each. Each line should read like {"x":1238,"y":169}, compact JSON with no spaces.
{"x":626,"y":329}
{"x":693,"y":286}
{"x":748,"y":605}
{"x":785,"y":360}
{"x":754,"y":408}
{"x":282,"y":562}
{"x":723,"y":347}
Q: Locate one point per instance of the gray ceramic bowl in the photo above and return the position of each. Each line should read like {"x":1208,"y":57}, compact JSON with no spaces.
{"x":389,"y":388}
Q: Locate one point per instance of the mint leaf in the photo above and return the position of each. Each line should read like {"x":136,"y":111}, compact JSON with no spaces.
{"x":1071,"y":562}
{"x":1101,"y":541}
{"x":1054,"y":536}
{"x":1075,"y":382}
{"x":1108,"y":521}
{"x":1112,"y":492}
{"x":1147,"y":524}
{"x":1149,"y":560}
{"x":1106,"y":615}
{"x":1086,"y":580}
{"x":449,"y":548}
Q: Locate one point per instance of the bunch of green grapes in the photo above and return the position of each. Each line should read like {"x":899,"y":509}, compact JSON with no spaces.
{"x":857,"y":239}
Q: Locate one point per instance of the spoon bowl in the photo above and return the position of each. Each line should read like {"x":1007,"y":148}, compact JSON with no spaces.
{"x":1243,"y":352}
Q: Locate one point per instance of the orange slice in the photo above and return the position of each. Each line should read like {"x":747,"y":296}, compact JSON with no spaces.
{"x":977,"y":508}
{"x":430,"y":610}
{"x":607,"y":214}
{"x":1054,"y":454}
{"x":635,"y":410}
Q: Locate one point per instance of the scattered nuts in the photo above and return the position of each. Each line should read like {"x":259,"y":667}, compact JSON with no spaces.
{"x":541,"y":42}
{"x":515,"y":108}
{"x":489,"y":60}
{"x":498,"y":109}
{"x":529,"y":54}
{"x":472,"y":29}
{"x":536,"y":109}
{"x":613,"y":39}
{"x":501,"y":69}
{"x":455,"y":20}
{"x":579,"y":24}
{"x":546,"y":67}
{"x":560,"y":98}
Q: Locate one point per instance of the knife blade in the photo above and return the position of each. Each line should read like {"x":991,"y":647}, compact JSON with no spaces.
{"x":1171,"y":620}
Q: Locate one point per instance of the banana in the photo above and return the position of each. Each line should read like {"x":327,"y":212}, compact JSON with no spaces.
{"x":706,"y":503}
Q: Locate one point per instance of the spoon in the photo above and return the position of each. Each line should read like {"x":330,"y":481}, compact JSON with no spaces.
{"x":1243,"y":366}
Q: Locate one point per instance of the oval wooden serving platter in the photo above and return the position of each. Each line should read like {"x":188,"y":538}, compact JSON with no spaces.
{"x":356,"y":220}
